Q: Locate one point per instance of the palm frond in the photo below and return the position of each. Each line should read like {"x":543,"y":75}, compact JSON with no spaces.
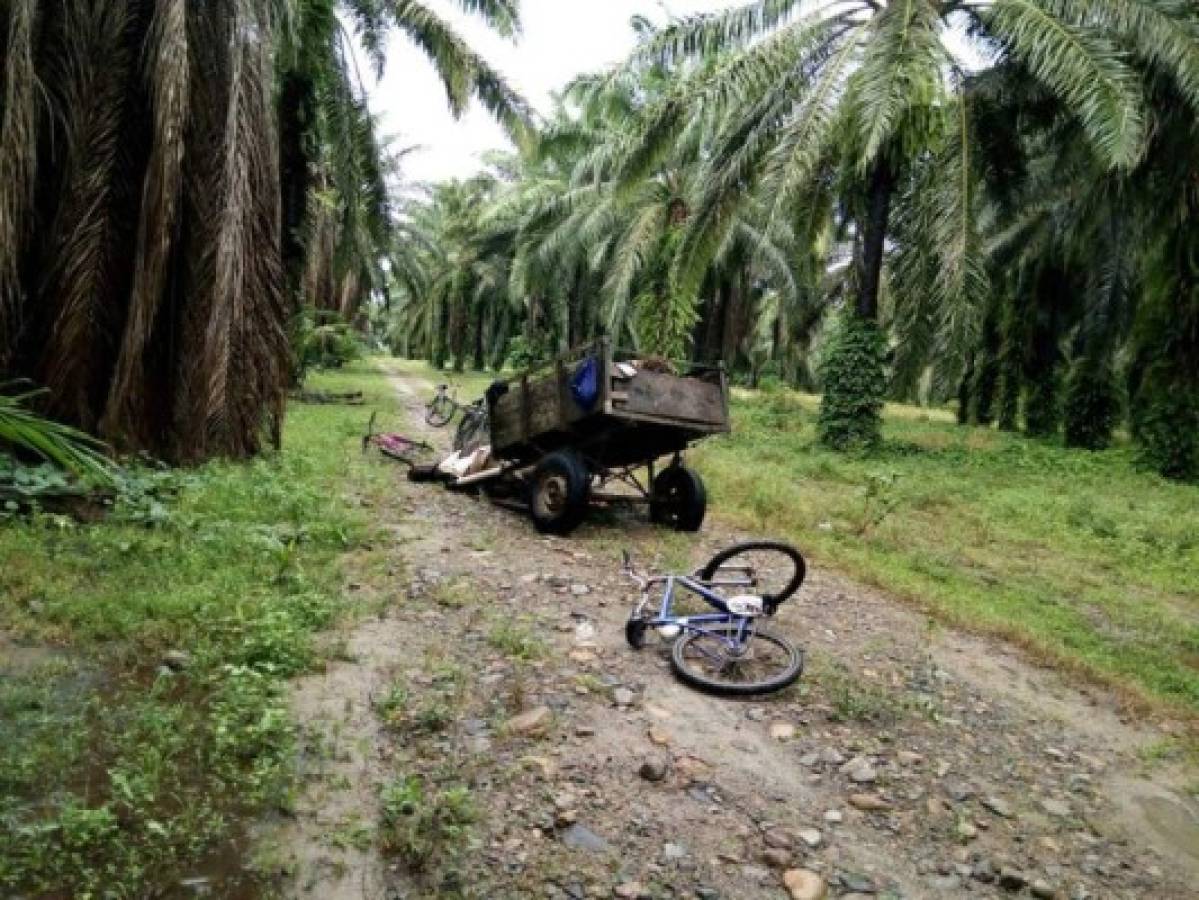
{"x":1163,"y":32}
{"x":899,"y":71}
{"x":633,"y":251}
{"x":1083,"y":67}
{"x":73,"y":450}
{"x":709,"y":34}
{"x":463,"y":72}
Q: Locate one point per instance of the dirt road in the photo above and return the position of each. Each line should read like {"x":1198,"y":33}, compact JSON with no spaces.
{"x":494,"y":697}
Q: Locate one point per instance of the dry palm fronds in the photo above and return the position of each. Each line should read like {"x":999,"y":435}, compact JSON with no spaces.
{"x":18,"y":143}
{"x":167,"y":77}
{"x":235,"y":360}
{"x":82,"y":287}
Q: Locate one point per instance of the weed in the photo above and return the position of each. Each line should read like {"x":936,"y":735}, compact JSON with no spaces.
{"x":517,"y":692}
{"x":517,"y":641}
{"x":353,"y":833}
{"x":427,"y":830}
{"x":432,"y":716}
{"x":590,"y":683}
{"x":856,"y":701}
{"x":1160,"y":752}
{"x":879,"y":500}
{"x":392,"y":705}
{"x":455,"y":593}
{"x":427,"y":711}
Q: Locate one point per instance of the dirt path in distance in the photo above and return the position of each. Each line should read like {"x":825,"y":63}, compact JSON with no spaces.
{"x":909,"y":761}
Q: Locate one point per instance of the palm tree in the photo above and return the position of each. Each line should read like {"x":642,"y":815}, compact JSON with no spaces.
{"x":338,"y":170}
{"x":864,"y":94}
{"x":605,"y":254}
{"x":169,"y":174}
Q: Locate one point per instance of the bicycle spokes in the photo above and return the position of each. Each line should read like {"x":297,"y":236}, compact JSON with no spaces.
{"x":764,"y":569}
{"x":720,"y":659}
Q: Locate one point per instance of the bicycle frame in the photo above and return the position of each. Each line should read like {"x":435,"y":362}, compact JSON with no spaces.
{"x":697,"y":623}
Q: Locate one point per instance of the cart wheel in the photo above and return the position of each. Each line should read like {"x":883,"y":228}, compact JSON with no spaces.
{"x":679,"y":499}
{"x":561,"y":484}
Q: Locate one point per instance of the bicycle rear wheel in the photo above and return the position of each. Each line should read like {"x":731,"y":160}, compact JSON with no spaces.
{"x":771,"y":570}
{"x":439,"y":411}
{"x":769,"y":662}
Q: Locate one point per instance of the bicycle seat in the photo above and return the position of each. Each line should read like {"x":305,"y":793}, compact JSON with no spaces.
{"x":746,"y":605}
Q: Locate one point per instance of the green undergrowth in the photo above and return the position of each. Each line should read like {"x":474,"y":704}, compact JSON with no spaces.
{"x":142,"y":658}
{"x":1081,"y":557}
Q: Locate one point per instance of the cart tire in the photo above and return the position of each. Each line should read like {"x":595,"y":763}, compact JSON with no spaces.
{"x":561,"y":485}
{"x":679,"y":499}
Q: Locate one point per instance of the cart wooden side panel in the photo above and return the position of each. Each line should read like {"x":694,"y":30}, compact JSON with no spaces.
{"x":671,"y":399}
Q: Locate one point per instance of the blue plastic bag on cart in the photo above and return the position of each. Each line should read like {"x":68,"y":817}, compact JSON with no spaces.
{"x":584,"y":383}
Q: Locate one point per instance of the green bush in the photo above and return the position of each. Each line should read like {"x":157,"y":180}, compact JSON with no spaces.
{"x":1167,"y":428}
{"x":1042,"y":410}
{"x":323,"y":342}
{"x":1091,"y":406}
{"x":524,"y":354}
{"x":854,"y":386}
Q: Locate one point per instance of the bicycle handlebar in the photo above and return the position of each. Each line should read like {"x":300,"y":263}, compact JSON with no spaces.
{"x":642,"y":581}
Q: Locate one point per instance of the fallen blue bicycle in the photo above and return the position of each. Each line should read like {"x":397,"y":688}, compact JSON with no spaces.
{"x":726,"y":651}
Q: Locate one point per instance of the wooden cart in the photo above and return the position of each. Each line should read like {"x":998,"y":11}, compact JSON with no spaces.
{"x":563,"y":447}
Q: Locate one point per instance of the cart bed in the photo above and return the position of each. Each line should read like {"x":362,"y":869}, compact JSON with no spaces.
{"x":638,"y":415}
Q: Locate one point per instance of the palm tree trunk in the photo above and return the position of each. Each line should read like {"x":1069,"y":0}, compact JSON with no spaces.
{"x":854,"y":372}
{"x":874,"y":238}
{"x":564,"y":325}
{"x":479,"y":361}
{"x":532,"y":320}
{"x":574,"y":311}
{"x":296,"y":106}
{"x":730,"y":337}
{"x":714,"y":339}
{"x":699,"y":332}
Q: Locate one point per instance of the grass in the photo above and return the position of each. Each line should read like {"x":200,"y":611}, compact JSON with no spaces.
{"x":1082,"y":559}
{"x":117,"y":774}
{"x":1077,"y":556}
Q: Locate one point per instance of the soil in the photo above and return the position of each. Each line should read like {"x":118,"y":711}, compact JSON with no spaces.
{"x":594,"y":773}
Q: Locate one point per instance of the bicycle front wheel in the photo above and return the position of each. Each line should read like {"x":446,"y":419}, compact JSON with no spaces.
{"x":768,"y":662}
{"x":770,"y":569}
